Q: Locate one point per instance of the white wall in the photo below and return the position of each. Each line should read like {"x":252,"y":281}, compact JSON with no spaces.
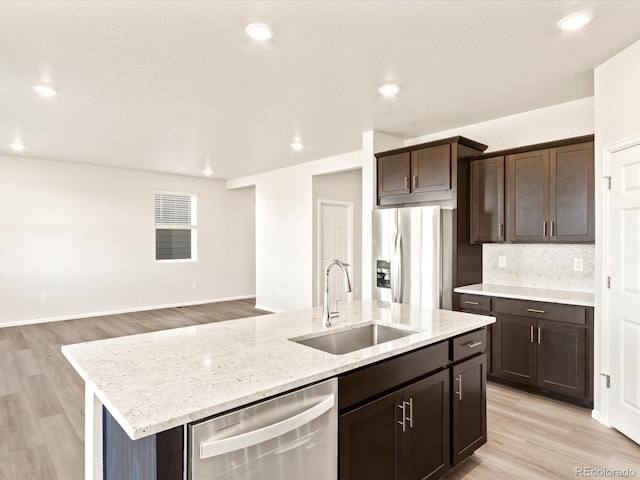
{"x":556,"y":122}
{"x":617,"y":118}
{"x":84,"y":236}
{"x":284,"y":230}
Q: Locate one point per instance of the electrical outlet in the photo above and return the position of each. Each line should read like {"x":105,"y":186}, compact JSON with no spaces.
{"x":502,"y":261}
{"x":44,"y":298}
{"x":194,"y":284}
{"x":578,"y":265}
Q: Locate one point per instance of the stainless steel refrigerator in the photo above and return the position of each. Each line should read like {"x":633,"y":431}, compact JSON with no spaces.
{"x":408,"y":251}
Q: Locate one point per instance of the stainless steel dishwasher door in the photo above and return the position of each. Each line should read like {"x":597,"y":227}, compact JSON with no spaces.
{"x":290,"y":437}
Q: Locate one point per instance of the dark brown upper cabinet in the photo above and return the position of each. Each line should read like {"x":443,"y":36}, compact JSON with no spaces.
{"x":547,"y":195}
{"x":528,"y":196}
{"x":487,"y":200}
{"x":432,"y":171}
{"x":394,"y":172}
{"x":571,"y":193}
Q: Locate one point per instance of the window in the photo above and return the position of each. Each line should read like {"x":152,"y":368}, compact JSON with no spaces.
{"x":175,"y":224}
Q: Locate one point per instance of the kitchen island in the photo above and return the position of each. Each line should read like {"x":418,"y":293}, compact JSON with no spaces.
{"x":153,"y":382}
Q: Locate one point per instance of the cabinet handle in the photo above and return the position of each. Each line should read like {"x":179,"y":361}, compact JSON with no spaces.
{"x":544,"y":228}
{"x":404,"y":426}
{"x":410,"y":403}
{"x":406,"y":182}
{"x":535,"y":310}
{"x":531,"y":333}
{"x":553,"y":224}
{"x":459,"y":392}
{"x":415,"y":181}
{"x":539,"y":335}
{"x":468,"y":302}
{"x":501,"y":229}
{"x":473,"y":344}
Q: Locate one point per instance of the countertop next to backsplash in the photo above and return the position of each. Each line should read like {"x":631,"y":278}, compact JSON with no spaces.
{"x":527,"y":293}
{"x":540,"y":272}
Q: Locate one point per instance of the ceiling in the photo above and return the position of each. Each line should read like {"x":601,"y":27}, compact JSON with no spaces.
{"x":177,"y":86}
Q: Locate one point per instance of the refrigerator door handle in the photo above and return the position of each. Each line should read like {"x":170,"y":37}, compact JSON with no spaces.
{"x":396,"y":287}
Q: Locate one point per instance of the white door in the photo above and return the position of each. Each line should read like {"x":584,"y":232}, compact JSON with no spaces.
{"x":335,"y":243}
{"x":622,"y":311}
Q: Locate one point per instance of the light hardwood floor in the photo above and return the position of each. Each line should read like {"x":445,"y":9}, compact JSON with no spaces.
{"x":42,"y":408}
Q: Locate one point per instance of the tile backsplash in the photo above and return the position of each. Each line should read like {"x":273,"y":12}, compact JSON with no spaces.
{"x":539,"y":266}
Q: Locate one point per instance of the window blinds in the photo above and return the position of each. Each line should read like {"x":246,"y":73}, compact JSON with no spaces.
{"x":172,"y":209}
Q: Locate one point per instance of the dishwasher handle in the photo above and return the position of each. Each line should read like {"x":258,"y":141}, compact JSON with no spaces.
{"x":254,"y":437}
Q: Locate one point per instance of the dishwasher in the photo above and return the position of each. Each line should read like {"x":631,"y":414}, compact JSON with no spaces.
{"x":290,"y":437}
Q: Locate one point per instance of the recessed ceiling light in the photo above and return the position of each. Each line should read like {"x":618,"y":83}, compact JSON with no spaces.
{"x":207,"y":171}
{"x":575,"y":20}
{"x":297,"y":146}
{"x":17,"y":146}
{"x":389,"y":90}
{"x":259,"y":31}
{"x":45,"y":90}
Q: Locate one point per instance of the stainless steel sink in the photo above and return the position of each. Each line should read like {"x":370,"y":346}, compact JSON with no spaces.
{"x":358,"y":338}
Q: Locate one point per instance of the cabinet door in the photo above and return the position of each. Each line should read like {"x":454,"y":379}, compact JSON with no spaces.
{"x":562,"y":358}
{"x":469,"y":407}
{"x":528,"y":196}
{"x":424,"y":448}
{"x":368,"y":440}
{"x":431,"y":169}
{"x":572,"y":193}
{"x":514,"y":350}
{"x":487,"y":200}
{"x":393,"y":174}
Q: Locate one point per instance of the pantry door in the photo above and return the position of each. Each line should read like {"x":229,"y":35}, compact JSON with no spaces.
{"x":335,"y":242}
{"x":622,"y":298}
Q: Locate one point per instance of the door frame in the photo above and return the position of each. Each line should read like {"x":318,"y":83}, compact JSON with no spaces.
{"x":350,"y":246}
{"x":604,"y":352}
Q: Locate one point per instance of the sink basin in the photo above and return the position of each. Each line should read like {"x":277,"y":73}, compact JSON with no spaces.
{"x":354,"y":339}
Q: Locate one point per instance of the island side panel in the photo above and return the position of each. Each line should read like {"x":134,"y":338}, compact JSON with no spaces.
{"x":156,"y":457}
{"x":93,"y":467}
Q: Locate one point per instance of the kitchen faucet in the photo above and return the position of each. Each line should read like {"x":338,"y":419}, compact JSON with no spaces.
{"x":326,"y":314}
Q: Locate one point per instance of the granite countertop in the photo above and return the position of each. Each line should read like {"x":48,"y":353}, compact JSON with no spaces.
{"x":583,"y":299}
{"x":155,"y":381}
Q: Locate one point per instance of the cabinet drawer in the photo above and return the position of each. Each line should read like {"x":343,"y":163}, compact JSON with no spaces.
{"x":469,"y":344}
{"x":543,"y":310}
{"x":373,"y":380}
{"x":481,"y":303}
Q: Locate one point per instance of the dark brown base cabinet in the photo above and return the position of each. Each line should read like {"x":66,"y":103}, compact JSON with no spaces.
{"x":469,"y":404}
{"x":540,"y":347}
{"x":422,"y":428}
{"x":402,"y":435}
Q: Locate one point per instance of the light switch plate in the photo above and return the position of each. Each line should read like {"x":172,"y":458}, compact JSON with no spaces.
{"x":578,"y":265}
{"x":502,"y":261}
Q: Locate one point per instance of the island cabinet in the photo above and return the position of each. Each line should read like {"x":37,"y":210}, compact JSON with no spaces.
{"x":542,"y":347}
{"x":547,"y":194}
{"x":433,"y":171}
{"x":404,"y":418}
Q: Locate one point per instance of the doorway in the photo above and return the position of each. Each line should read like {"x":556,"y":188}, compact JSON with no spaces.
{"x":337,"y":225}
{"x":335,"y":241}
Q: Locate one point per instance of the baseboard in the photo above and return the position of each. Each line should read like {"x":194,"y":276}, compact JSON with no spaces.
{"x":268,"y":309}
{"x":123,"y":310}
